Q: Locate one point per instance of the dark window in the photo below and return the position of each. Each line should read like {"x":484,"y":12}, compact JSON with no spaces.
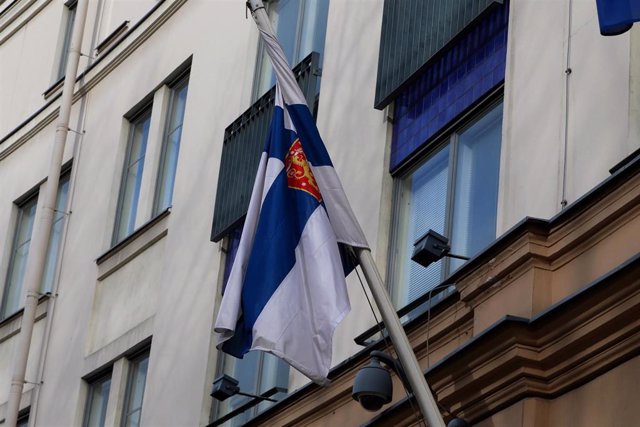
{"x":96,"y":407}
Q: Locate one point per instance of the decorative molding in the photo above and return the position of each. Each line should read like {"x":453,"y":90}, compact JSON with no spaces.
{"x":563,"y":348}
{"x":11,"y":22}
{"x":132,"y":246}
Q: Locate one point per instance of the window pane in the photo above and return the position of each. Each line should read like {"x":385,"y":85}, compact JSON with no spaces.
{"x":423,"y":202}
{"x":56,"y":234}
{"x":301,"y":27}
{"x":246,"y":371}
{"x":64,"y":54}
{"x":135,"y":391}
{"x":23,"y":420}
{"x":314,"y":28}
{"x":476,"y":193}
{"x":275,"y":373}
{"x":132,"y":178}
{"x":97,"y":400}
{"x":11,"y":300}
{"x":170,"y":150}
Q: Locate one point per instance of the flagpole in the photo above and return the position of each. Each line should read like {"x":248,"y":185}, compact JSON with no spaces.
{"x":403,"y":348}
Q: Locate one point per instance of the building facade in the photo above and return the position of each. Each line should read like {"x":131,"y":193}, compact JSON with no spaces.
{"x":510,"y":128}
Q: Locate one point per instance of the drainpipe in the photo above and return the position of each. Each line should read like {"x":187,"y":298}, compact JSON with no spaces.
{"x":42,"y":229}
{"x":51,"y":303}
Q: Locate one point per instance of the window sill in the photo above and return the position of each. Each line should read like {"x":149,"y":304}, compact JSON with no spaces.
{"x":55,"y":88}
{"x":11,"y":325}
{"x":133,"y":245}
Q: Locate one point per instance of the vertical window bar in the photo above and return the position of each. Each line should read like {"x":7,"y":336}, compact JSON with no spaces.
{"x":132,"y":177}
{"x":18,"y":260}
{"x":169,"y":153}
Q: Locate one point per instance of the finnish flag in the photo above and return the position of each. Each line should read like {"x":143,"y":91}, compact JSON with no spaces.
{"x":617,"y":16}
{"x":286,"y":292}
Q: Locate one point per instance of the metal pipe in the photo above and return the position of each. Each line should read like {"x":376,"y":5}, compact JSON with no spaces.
{"x":51,"y":304}
{"x":42,"y":229}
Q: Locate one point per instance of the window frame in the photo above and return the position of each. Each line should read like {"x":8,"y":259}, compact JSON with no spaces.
{"x":145,"y":111}
{"x":261,"y":56}
{"x":91,"y":383}
{"x":30,"y":199}
{"x":133,"y":363}
{"x":181,"y":82}
{"x":67,"y":35}
{"x":449,"y":137}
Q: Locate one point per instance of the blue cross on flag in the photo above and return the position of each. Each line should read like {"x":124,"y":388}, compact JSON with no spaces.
{"x":617,"y":16}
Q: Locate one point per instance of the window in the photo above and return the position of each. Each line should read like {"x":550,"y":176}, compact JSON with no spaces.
{"x":135,"y":390}
{"x":13,"y":290}
{"x":257,"y":372}
{"x":454,"y":192}
{"x":70,"y":17}
{"x":301,"y":27}
{"x":171,"y":147}
{"x":18,"y":260}
{"x":132,"y":176}
{"x":23,"y":418}
{"x":97,"y":399}
{"x":56,"y":234}
{"x":151,"y":155}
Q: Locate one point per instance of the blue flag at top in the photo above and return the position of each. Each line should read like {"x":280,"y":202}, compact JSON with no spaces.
{"x":286,"y":292}
{"x":617,"y":16}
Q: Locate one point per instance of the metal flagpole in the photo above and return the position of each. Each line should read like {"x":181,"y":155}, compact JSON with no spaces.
{"x":407,"y":358}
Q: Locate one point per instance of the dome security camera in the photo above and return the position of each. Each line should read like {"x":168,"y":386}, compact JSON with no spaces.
{"x":372,"y":386}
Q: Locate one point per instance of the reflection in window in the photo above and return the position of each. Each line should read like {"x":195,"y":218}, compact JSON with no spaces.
{"x":135,"y":391}
{"x":56,"y":234}
{"x":132,"y":177}
{"x":301,"y":27}
{"x":70,"y":17}
{"x":12,"y":295}
{"x":453,"y":192}
{"x":171,"y":147}
{"x":97,"y":399}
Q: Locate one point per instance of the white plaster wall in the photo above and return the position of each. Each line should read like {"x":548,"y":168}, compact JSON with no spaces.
{"x":118,"y":11}
{"x":598,"y":101}
{"x":7,"y":352}
{"x":532,"y":164}
{"x":26,"y":64}
{"x":133,"y":289}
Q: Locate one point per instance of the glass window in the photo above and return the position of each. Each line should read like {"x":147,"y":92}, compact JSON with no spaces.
{"x":56,"y":234}
{"x":301,"y":27}
{"x":132,"y":177}
{"x":23,"y":418}
{"x":13,"y":294}
{"x":135,"y":391}
{"x":170,"y":147}
{"x":453,"y":192}
{"x":70,"y":17}
{"x":11,"y":299}
{"x":97,"y":399}
{"x":257,"y":372}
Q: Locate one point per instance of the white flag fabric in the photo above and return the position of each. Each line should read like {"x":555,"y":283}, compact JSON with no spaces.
{"x":286,"y":292}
